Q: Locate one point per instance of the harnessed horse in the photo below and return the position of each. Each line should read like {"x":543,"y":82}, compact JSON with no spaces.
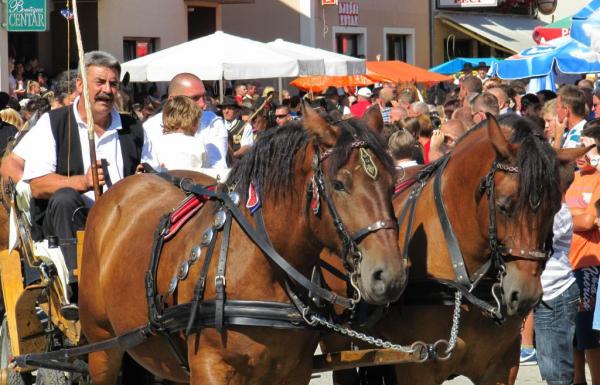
{"x":240,"y":317}
{"x":474,"y":223}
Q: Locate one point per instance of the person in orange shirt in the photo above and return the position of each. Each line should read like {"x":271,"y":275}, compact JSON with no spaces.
{"x":585,"y":255}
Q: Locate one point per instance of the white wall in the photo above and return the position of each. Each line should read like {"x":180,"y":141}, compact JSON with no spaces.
{"x":564,"y":8}
{"x":162,"y":19}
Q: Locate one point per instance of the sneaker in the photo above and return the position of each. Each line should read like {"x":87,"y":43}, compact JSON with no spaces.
{"x":528,"y":357}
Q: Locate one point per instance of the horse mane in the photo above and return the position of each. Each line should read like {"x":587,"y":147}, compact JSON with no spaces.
{"x":539,"y":179}
{"x":270,"y":164}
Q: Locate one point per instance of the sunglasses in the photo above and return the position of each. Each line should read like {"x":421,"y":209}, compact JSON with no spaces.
{"x":281,"y":116}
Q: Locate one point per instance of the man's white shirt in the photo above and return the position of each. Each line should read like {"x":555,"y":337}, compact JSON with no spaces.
{"x":38,"y":149}
{"x":211,"y":131}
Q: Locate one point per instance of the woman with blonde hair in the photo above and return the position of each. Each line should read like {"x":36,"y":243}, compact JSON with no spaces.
{"x":177,"y":148}
{"x":12,"y":117}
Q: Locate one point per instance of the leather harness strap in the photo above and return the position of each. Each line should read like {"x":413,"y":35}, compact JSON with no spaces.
{"x":220,"y":276}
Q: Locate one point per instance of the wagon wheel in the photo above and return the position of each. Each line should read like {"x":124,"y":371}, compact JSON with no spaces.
{"x":12,"y":377}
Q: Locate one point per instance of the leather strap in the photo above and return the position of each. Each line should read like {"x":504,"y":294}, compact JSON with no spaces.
{"x":266,"y":248}
{"x":200,"y":286}
{"x":456,"y":256}
{"x":220,"y":275}
{"x":374,"y":227}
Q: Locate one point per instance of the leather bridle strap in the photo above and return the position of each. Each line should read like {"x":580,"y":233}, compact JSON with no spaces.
{"x":372,"y":228}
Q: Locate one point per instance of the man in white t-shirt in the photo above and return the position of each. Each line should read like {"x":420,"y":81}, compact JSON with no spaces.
{"x":211,"y":130}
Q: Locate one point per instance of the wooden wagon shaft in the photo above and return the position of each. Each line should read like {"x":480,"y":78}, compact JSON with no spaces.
{"x":350,"y":359}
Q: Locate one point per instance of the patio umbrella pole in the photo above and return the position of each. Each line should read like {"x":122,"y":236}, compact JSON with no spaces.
{"x":280,"y":87}
{"x":221,"y":92}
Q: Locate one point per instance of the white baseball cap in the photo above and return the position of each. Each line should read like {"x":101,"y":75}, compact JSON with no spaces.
{"x":364,"y":91}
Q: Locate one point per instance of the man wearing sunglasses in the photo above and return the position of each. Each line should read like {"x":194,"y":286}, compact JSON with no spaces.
{"x":211,"y":129}
{"x":282,"y":115}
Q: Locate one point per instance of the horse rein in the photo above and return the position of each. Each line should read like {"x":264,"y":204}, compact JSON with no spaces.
{"x":351,"y":255}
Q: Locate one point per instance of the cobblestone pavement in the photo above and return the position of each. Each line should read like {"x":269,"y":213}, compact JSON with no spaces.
{"x":528,"y":375}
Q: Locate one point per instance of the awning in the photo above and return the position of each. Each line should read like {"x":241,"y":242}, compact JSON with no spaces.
{"x":396,"y":71}
{"x":507,"y":33}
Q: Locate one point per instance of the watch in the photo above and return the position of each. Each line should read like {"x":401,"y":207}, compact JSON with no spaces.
{"x":595,"y":160}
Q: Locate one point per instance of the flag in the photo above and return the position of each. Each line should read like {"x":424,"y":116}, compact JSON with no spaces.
{"x":67,"y":14}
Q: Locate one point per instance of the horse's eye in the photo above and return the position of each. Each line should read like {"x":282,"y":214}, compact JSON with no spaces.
{"x":503,"y":209}
{"x":338,"y":185}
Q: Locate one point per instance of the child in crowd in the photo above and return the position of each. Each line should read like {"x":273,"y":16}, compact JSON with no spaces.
{"x":177,"y":148}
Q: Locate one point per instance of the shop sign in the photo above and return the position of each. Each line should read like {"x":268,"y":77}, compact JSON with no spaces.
{"x":348,"y":11}
{"x":26,"y":16}
{"x":466,"y":3}
{"x":328,"y":2}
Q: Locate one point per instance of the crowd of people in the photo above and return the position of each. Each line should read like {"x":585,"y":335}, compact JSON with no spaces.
{"x":44,"y":128}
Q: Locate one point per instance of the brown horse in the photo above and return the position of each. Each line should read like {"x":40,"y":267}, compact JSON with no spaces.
{"x":358,"y":184}
{"x":527,"y":193}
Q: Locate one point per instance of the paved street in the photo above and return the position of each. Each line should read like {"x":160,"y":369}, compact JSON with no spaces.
{"x":528,"y":375}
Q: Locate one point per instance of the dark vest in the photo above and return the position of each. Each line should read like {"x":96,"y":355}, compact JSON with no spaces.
{"x":131,"y":138}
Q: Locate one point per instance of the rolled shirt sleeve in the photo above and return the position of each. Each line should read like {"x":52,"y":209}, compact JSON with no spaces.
{"x":38,"y":149}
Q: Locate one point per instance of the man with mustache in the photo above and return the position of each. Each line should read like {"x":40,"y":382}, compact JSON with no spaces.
{"x":57,"y":156}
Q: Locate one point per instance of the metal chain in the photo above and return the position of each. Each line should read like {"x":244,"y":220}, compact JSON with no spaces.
{"x":455,"y":322}
{"x":426,"y":351}
{"x":315,"y":319}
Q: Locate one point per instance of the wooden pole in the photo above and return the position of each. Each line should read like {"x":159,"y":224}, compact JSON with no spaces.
{"x":88,"y":107}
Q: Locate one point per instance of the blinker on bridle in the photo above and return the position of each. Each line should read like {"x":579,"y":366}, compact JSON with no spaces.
{"x":317,"y":188}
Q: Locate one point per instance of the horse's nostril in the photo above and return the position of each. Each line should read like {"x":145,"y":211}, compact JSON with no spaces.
{"x":377,"y":275}
{"x":514,"y":297}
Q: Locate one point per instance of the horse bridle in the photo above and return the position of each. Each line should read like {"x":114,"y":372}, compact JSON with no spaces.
{"x":499,"y":253}
{"x":351,"y":255}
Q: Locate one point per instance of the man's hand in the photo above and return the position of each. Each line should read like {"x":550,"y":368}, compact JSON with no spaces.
{"x":559,"y":129}
{"x":89,"y":180}
{"x":437,"y":138}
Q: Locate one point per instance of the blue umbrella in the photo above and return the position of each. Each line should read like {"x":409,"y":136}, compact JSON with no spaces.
{"x":563,"y":55}
{"x":586,"y":25}
{"x":456,"y":65}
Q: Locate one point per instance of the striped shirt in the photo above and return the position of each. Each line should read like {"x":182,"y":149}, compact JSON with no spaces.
{"x":558,"y":275}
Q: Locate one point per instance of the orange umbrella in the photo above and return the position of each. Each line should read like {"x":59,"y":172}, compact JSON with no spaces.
{"x":398,"y":72}
{"x":318,"y":84}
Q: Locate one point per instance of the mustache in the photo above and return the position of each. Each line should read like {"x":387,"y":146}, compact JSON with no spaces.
{"x":103,"y":97}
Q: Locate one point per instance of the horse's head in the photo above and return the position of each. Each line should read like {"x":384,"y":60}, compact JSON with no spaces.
{"x":516,"y":201}
{"x":350,"y":185}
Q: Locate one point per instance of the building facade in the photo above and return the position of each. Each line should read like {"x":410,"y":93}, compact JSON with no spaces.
{"x":382,"y":29}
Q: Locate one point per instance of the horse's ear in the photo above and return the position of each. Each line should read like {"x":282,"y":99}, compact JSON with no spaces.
{"x":373,"y":119}
{"x":568,"y":155}
{"x":326,"y":134}
{"x":501,"y":145}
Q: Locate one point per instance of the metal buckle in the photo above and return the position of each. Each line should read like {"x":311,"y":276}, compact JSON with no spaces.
{"x":222,"y":278}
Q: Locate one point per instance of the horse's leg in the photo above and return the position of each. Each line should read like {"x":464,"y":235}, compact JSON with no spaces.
{"x":105,"y":366}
